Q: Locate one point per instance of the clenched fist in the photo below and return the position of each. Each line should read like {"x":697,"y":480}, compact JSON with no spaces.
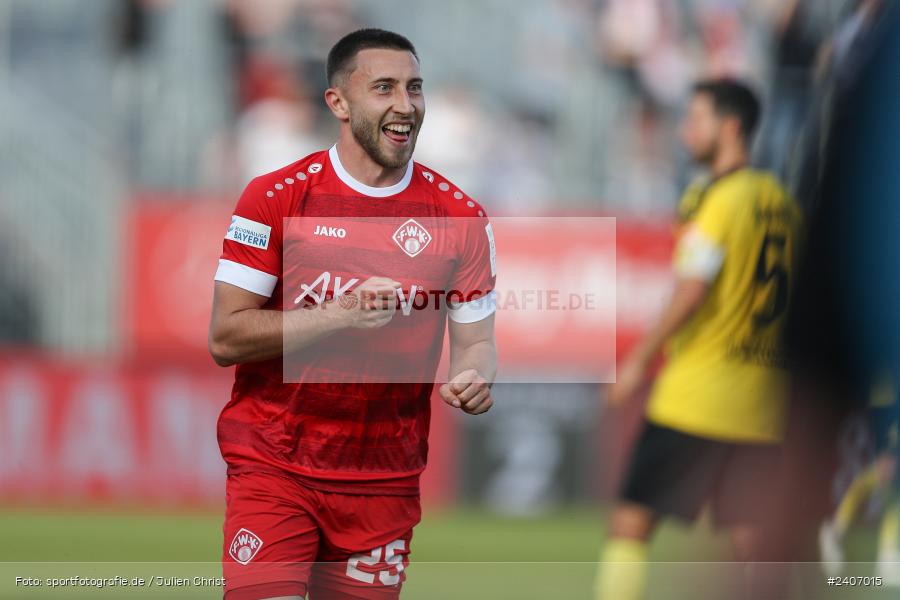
{"x":372,"y":304}
{"x":468,"y":391}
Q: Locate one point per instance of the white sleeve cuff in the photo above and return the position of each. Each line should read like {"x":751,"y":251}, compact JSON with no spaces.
{"x":474,"y":310}
{"x":246,"y":277}
{"x":697,"y":256}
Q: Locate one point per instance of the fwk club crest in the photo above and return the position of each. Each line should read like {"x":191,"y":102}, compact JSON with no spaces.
{"x":244,"y":546}
{"x":412,"y":238}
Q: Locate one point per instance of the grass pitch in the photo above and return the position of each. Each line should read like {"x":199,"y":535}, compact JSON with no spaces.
{"x":458,"y":554}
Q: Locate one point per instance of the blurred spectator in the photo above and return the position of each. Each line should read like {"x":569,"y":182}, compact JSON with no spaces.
{"x":846,"y":47}
{"x":296,"y":31}
{"x":555,"y":34}
{"x":173,"y":89}
{"x":642,"y":174}
{"x":797,"y":37}
{"x":643,"y":40}
{"x":456,"y":136}
{"x":517,"y":173}
{"x":277,"y":126}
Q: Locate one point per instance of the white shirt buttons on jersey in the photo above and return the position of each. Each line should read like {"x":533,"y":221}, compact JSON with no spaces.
{"x":458,"y":195}
{"x":270,"y":193}
{"x":301,"y":176}
{"x":289,"y":181}
{"x":443,"y":186}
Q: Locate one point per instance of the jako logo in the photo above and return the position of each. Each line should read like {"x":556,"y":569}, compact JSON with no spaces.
{"x":338,"y":232}
{"x":412,"y":238}
{"x":244,"y":546}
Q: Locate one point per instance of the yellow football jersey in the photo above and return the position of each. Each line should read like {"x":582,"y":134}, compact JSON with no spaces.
{"x":724,"y":376}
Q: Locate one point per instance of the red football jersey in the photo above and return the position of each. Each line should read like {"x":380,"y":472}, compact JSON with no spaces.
{"x":351,"y":412}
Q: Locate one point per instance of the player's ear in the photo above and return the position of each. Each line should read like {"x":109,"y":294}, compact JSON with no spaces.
{"x":337,"y":103}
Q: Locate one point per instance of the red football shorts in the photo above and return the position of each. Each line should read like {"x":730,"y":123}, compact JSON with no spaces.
{"x":285,"y":539}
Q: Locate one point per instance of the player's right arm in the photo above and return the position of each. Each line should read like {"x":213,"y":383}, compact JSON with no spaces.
{"x":241,"y":329}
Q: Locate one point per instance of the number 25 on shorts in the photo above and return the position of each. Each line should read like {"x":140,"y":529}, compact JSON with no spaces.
{"x":394,"y":561}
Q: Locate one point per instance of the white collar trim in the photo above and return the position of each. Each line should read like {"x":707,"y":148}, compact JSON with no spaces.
{"x":368,"y":190}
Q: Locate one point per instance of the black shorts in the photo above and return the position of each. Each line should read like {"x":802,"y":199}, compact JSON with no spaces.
{"x":675,"y":474}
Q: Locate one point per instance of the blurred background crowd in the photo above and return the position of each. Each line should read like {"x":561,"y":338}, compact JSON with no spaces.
{"x":534,"y":106}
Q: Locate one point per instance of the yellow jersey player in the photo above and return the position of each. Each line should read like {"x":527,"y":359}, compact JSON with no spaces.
{"x":717,"y":411}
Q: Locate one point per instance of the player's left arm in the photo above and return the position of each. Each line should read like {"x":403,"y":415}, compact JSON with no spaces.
{"x":473,"y":365}
{"x":473,"y":352}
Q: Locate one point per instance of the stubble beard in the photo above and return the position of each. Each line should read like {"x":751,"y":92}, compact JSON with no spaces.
{"x":707,"y":156}
{"x":367,"y":134}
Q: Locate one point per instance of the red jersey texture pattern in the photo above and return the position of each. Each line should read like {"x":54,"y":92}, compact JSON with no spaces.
{"x":350,"y":422}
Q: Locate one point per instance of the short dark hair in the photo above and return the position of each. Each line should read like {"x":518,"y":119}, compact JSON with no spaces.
{"x":341,"y":55}
{"x":733,"y":99}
